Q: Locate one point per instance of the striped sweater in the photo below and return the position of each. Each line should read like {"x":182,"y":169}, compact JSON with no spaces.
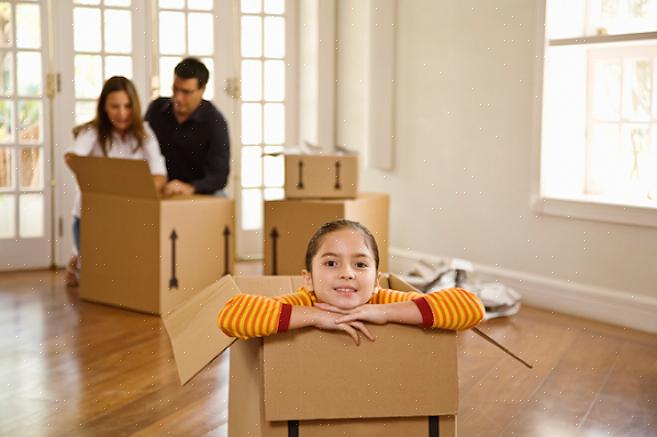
{"x":245,"y":315}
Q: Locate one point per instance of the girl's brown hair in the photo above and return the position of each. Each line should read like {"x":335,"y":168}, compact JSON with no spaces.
{"x":336,"y":225}
{"x":103,"y":124}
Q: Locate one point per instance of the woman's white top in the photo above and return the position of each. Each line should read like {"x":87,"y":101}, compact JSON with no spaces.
{"x":87,"y":144}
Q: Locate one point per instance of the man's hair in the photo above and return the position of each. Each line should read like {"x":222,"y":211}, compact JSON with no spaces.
{"x":336,"y":225}
{"x":192,"y":68}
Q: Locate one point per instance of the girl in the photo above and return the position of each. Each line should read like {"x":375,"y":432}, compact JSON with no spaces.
{"x":340,"y":291}
{"x":117,"y":131}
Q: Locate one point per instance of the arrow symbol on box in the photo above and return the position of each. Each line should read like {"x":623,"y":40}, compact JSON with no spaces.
{"x":274,"y":240}
{"x":173,"y":282}
{"x":300,"y":183}
{"x":226,"y":251}
{"x":337,"y":175}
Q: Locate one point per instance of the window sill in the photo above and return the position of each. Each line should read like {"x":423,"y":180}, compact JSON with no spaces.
{"x":596,"y":210}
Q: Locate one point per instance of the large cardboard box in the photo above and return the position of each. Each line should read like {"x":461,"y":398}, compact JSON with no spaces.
{"x":330,"y":176}
{"x":145,"y":253}
{"x":289,"y":225}
{"x":313,"y":383}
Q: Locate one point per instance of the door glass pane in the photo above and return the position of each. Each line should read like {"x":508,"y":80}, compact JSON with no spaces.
{"x":118,"y":31}
{"x":172,"y":33}
{"x":251,"y":166}
{"x":6,"y":27}
{"x":251,"y":6}
{"x":7,"y":216}
{"x":251,"y":80}
{"x":29,"y":121}
{"x":6,"y":75}
{"x":204,"y":5}
{"x":88,"y":76}
{"x":251,"y":123}
{"x":31,"y":169}
{"x":274,"y":37}
{"x":87,"y":2}
{"x":118,"y":66}
{"x":6,"y":121}
{"x":637,"y":89}
{"x":172,"y":4}
{"x":252,"y":209}
{"x":251,"y":37}
{"x":31,"y":215}
{"x":28,"y":26}
{"x":274,"y":167}
{"x":200,"y":26}
{"x":167,"y":65}
{"x":84,"y":112}
{"x":28,"y":67}
{"x":209,"y":88}
{"x":274,"y":80}
{"x":274,"y":6}
{"x":274,"y":123}
{"x":86,"y":26}
{"x":606,"y":90}
{"x":6,"y":168}
{"x":117,"y":3}
{"x":274,"y":193}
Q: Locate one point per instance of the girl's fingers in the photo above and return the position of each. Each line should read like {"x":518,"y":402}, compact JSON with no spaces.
{"x":353,"y":333}
{"x":362,"y":328}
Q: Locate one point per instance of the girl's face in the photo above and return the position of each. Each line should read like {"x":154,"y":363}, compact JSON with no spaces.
{"x":119,"y":110}
{"x":343,"y":270}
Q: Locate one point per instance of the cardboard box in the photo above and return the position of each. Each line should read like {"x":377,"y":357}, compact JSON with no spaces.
{"x":289,"y":225}
{"x":145,"y":253}
{"x":329,"y":176}
{"x":319,"y":383}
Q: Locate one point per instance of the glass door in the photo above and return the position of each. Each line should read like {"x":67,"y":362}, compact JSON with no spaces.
{"x":25,"y":173}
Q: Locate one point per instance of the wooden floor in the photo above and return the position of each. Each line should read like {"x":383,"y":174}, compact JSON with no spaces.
{"x":72,"y":368}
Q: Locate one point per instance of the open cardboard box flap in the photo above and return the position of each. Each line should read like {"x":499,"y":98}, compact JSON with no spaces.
{"x":119,"y":177}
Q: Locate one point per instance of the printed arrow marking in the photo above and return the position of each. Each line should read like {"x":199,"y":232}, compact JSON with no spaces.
{"x":173,"y":282}
{"x":274,"y":262}
{"x":300,"y":183}
{"x":226,"y":251}
{"x":337,"y":175}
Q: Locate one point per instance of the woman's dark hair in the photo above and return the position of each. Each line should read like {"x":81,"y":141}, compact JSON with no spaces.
{"x":336,"y":225}
{"x":192,"y":68}
{"x":102,"y":122}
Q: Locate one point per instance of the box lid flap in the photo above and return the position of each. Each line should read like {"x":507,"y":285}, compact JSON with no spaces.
{"x":192,"y":327}
{"x":407,"y":372}
{"x":122,"y":177}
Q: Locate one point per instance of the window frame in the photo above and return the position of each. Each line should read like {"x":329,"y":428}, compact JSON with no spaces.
{"x":578,"y":206}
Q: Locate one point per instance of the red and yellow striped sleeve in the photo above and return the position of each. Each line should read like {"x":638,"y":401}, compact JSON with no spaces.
{"x":246,"y":315}
{"x":451,"y":308}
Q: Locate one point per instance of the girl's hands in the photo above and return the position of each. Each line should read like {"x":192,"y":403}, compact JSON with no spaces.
{"x":329,"y":320}
{"x":376,"y":314}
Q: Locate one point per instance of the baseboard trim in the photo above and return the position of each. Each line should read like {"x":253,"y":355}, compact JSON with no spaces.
{"x":567,"y":297}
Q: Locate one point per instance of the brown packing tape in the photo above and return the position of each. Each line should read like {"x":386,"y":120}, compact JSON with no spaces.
{"x":504,"y":349}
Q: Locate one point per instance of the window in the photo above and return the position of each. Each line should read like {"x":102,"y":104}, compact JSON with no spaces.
{"x":599,"y":127}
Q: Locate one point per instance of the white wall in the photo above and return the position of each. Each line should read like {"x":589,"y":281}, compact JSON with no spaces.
{"x":464,"y":158}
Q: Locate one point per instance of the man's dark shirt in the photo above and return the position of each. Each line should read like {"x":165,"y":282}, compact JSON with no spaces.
{"x":197,"y":151}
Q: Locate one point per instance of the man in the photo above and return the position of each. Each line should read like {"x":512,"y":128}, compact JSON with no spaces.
{"x":192,"y":133}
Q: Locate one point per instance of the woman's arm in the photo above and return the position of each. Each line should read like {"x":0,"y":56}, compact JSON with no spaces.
{"x":160,"y":181}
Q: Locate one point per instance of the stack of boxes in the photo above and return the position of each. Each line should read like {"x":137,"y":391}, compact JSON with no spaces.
{"x":319,"y":188}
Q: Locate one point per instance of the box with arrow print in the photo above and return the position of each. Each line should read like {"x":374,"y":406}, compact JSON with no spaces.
{"x":289,"y":224}
{"x":141,"y":252}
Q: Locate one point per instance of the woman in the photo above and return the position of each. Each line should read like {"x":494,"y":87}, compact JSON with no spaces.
{"x":117,"y":131}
